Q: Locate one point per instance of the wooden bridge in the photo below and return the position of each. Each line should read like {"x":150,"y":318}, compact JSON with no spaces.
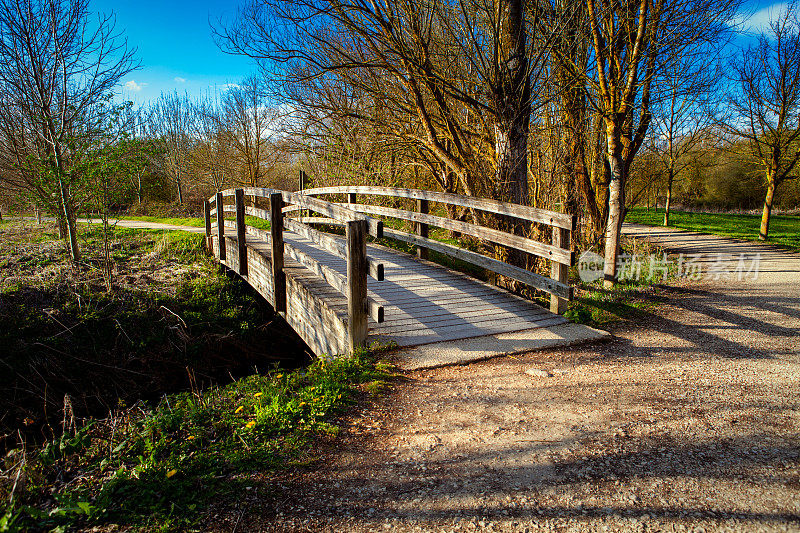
{"x":341,"y":292}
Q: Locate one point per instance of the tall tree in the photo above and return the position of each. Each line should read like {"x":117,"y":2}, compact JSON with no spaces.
{"x":766,"y":103}
{"x":58,"y":64}
{"x":634,"y":44}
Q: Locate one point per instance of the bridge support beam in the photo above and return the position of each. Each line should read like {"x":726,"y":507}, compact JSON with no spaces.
{"x":221,"y":227}
{"x":356,"y":284}
{"x":276,"y":234}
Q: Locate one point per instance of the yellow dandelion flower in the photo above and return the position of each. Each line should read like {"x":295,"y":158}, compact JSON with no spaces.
{"x":258,"y":394}
{"x":238,"y":410}
{"x":190,"y":437}
{"x":278,"y":376}
{"x":301,"y":404}
{"x":250,"y":424}
{"x":171,"y":473}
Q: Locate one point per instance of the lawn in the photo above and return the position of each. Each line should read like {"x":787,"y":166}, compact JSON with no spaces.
{"x":784,"y":229}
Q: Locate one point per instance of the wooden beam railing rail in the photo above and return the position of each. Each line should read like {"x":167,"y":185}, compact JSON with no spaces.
{"x":353,"y":285}
{"x":558,"y":251}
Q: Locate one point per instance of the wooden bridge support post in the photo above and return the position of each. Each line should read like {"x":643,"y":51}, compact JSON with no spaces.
{"x":276,"y":234}
{"x":207,"y":218}
{"x":241,"y":236}
{"x":220,"y":227}
{"x":356,"y":284}
{"x":559,"y":271}
{"x":422,"y":229}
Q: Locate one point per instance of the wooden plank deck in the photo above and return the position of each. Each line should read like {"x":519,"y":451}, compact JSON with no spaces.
{"x":425,"y":302}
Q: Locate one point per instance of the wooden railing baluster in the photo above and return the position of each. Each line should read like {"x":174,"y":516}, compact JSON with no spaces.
{"x":241,"y":238}
{"x":559,"y":271}
{"x":221,"y":227}
{"x":356,"y":231}
{"x":276,"y":238}
{"x":422,"y":229}
{"x":207,"y":218}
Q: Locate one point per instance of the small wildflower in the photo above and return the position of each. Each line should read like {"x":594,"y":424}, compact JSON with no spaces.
{"x":278,"y":376}
{"x":238,"y":410}
{"x":258,"y":394}
{"x":171,"y":473}
{"x":250,"y":424}
{"x":301,"y":404}
{"x":190,"y":437}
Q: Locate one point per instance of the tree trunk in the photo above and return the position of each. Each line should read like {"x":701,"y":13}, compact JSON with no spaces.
{"x":669,"y":199}
{"x":513,"y":108}
{"x":613,"y":224}
{"x":764,"y":233}
{"x":179,"y":188}
{"x":70,"y":224}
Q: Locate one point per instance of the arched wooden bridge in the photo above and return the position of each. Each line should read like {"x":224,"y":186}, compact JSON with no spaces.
{"x":341,"y":292}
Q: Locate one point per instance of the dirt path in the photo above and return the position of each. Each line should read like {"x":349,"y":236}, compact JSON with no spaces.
{"x":687,"y":421}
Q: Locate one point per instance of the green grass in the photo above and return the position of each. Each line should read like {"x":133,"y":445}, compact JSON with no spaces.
{"x":195,"y":221}
{"x":176,"y":221}
{"x":784,"y":229}
{"x":158,"y":469}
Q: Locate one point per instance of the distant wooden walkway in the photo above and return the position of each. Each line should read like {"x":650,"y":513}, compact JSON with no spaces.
{"x":404,"y":299}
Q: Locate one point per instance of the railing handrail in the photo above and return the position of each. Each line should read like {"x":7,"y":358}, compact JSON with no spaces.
{"x":303,"y":201}
{"x":523,"y":212}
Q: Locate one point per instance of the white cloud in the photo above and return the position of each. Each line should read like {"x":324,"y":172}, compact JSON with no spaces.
{"x":178,"y":79}
{"x":134,"y":87}
{"x":757,"y":22}
{"x":228,"y":86}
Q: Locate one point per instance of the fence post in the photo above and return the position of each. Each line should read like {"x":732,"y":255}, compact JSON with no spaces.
{"x":221,"y":227}
{"x":241,"y":238}
{"x":276,"y":234}
{"x":207,"y":218}
{"x":559,"y":271}
{"x":356,"y":284}
{"x":422,"y":229}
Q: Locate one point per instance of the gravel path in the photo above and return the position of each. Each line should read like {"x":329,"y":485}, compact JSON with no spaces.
{"x":687,"y":421}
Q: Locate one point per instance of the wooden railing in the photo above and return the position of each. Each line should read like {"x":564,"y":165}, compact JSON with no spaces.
{"x":558,"y":251}
{"x":353,"y":250}
{"x":311,"y":314}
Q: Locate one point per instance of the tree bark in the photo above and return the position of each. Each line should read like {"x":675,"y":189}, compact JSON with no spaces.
{"x":668,"y":204}
{"x":764,"y":233}
{"x":614,"y":222}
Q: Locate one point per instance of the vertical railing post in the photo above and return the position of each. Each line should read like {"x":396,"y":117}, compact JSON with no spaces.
{"x":221,"y":227}
{"x":422,"y":229}
{"x":276,"y":234}
{"x":560,"y":271}
{"x":356,"y":284}
{"x":207,"y":218}
{"x":241,"y":238}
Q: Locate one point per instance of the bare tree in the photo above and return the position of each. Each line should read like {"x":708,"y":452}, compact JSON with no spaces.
{"x":682,"y":119}
{"x":171,"y":123}
{"x":634,"y":43}
{"x":252,"y":125}
{"x":766,"y":103}
{"x":57,"y":67}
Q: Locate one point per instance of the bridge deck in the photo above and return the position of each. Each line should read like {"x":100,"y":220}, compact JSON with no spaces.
{"x":426,"y":303}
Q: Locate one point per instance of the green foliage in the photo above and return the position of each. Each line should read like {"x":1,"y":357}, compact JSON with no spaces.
{"x":784,"y":229}
{"x":160,"y":467}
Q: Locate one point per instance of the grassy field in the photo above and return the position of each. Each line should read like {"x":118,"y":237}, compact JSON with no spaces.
{"x":146,"y":405}
{"x":784,"y":229}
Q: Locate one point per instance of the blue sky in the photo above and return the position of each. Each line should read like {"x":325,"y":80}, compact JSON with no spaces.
{"x":175,"y":46}
{"x":177,"y":51}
